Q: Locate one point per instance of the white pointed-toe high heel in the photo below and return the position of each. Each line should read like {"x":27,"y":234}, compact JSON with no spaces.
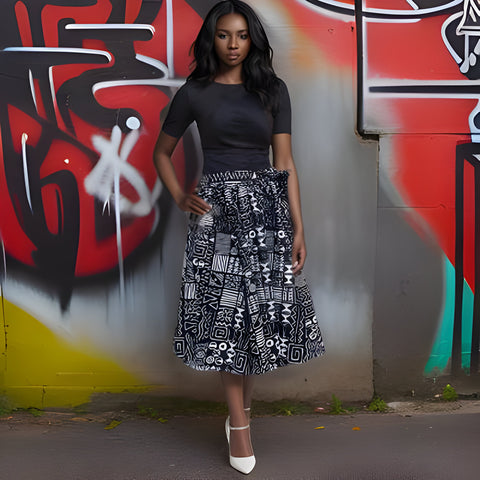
{"x":242,"y":464}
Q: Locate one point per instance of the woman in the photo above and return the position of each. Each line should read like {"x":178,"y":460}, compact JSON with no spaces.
{"x":245,"y":308}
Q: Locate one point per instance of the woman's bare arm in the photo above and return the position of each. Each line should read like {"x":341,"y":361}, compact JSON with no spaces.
{"x":162,"y":158}
{"x":283,"y":160}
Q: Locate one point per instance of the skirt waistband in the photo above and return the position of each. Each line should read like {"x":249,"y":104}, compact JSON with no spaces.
{"x":240,"y":175}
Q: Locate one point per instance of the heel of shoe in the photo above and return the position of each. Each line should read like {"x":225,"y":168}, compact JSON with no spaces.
{"x":227,"y":429}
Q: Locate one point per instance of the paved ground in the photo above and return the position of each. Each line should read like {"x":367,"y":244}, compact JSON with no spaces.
{"x":413,"y":443}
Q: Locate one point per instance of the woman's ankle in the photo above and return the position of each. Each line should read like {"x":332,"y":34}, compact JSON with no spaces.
{"x":239,"y":419}
{"x":240,"y":442}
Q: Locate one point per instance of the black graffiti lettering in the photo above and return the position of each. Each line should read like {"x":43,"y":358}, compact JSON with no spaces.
{"x":25,"y":82}
{"x":55,"y":252}
{"x":466,"y":152}
{"x":76,"y":95}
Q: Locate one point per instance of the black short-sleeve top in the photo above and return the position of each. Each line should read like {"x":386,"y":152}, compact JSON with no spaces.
{"x":235,"y":128}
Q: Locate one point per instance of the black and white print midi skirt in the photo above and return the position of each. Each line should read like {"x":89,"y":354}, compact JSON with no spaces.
{"x":241,"y":309}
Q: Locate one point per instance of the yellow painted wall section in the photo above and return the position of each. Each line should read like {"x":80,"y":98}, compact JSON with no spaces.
{"x":43,"y":370}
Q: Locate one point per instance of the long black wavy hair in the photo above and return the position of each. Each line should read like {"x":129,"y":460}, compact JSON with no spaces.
{"x":259,"y":75}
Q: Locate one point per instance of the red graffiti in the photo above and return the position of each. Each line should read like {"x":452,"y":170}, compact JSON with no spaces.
{"x":80,"y":110}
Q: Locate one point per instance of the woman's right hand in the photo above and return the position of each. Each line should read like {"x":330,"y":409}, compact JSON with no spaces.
{"x":189,"y":202}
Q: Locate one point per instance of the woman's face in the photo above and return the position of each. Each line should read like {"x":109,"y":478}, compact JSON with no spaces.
{"x":232,"y":40}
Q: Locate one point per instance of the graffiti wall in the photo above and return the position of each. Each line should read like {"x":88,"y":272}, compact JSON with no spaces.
{"x":419,"y":88}
{"x":92,"y":244}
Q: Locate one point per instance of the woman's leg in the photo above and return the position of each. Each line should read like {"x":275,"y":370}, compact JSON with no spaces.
{"x":248,"y":382}
{"x":240,"y":443}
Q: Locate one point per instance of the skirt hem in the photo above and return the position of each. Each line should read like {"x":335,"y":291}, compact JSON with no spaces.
{"x":266,"y":369}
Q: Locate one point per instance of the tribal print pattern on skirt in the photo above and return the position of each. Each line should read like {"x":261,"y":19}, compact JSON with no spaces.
{"x":241,"y":309}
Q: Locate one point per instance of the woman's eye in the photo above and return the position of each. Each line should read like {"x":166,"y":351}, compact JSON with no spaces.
{"x":244,"y":36}
{"x":221,"y":36}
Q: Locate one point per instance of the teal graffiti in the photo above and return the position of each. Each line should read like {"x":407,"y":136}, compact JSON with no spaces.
{"x":442,"y":346}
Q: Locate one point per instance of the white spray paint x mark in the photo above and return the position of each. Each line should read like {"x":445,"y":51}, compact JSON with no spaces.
{"x":103,"y":183}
